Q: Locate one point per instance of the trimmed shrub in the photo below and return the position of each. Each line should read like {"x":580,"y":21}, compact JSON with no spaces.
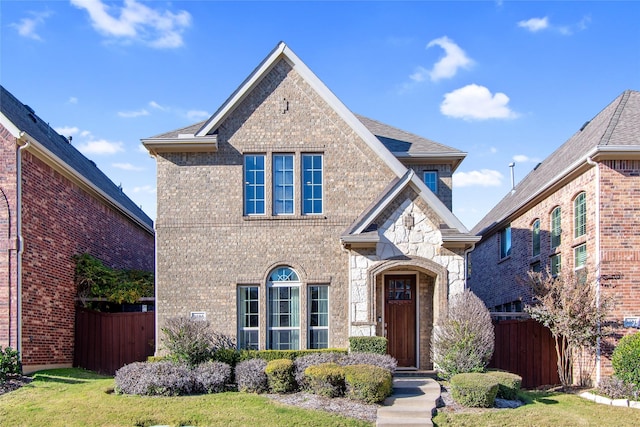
{"x":269,"y":355}
{"x":230,"y":356}
{"x":280,"y":376}
{"x":251,"y":376}
{"x":463,"y":340}
{"x":211,"y":377}
{"x":9,"y":363}
{"x":625,"y":359}
{"x":326,"y":379}
{"x":474,"y":389}
{"x":383,"y":361}
{"x":154,"y":379}
{"x":377,"y":345}
{"x":616,"y":388}
{"x":303,"y":362}
{"x":367,"y":383}
{"x":508,"y":384}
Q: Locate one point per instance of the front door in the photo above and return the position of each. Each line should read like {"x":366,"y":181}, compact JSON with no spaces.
{"x":400,"y":318}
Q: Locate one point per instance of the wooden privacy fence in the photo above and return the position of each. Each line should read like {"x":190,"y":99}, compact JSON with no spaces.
{"x":104,"y":342}
{"x":526,"y":348}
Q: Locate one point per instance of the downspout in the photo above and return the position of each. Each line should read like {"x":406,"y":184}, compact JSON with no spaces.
{"x":23,"y":144}
{"x":591,"y":162}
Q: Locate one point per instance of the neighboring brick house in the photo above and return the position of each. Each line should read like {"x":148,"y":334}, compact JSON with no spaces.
{"x":54,"y":203}
{"x":578,"y":209}
{"x":289,"y":222}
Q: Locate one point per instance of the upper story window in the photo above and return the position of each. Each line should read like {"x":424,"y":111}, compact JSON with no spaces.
{"x":254,"y":184}
{"x":312,"y":183}
{"x":505,"y":242}
{"x":535,"y":238}
{"x":556,"y":227}
{"x":431,"y":180}
{"x":580,"y":215}
{"x":283,"y":200}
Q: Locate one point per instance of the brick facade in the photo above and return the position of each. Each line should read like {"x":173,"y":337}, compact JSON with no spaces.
{"x":207,"y":247}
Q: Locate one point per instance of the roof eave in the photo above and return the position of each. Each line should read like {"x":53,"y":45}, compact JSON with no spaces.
{"x":455,"y":158}
{"x":199,"y":144}
{"x":71,"y":173}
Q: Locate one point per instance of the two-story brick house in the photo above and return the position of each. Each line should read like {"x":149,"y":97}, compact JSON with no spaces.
{"x":578,"y":209}
{"x":54,"y":203}
{"x":289,"y":222}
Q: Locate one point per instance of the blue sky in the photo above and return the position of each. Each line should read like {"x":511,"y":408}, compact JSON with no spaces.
{"x":503,"y":81}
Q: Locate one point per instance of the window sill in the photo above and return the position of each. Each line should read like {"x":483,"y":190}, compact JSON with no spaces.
{"x":507,"y":258}
{"x":283,"y":217}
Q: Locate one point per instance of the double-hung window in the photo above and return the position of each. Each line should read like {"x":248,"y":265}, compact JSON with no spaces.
{"x":312,"y":184}
{"x":284,"y":310}
{"x":580,"y":256}
{"x":556,"y":227}
{"x":556,"y":264}
{"x":254,"y":184}
{"x":505,"y":242}
{"x":283,"y":189}
{"x":580,"y":215}
{"x":248,"y":317}
{"x":431,"y":180}
{"x":318,"y":316}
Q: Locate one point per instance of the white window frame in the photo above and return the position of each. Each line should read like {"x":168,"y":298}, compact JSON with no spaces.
{"x":292,"y":282}
{"x":252,"y":184}
{"x":580,"y":263}
{"x":428,"y":182}
{"x":311,"y":327}
{"x":312,"y":185}
{"x":242,"y":328}
{"x":284,"y":186}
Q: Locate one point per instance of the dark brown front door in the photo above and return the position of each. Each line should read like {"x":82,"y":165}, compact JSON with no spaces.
{"x":400,"y":318}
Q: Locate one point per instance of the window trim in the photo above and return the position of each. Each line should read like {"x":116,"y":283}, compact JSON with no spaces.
{"x":535,"y":238}
{"x":555,"y":269}
{"x":556,"y":228}
{"x":435,"y":181}
{"x":248,"y":184}
{"x":241,"y":328}
{"x":290,"y":281}
{"x":285,"y":172}
{"x":310,"y":186}
{"x":577,"y":266}
{"x":505,"y":236}
{"x":310,"y":327}
{"x":580,"y":215}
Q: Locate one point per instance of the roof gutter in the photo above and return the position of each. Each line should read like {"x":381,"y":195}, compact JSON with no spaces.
{"x":33,"y":143}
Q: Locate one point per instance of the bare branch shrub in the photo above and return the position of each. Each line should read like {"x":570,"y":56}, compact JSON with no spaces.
{"x":193,"y":341}
{"x":463,"y":340}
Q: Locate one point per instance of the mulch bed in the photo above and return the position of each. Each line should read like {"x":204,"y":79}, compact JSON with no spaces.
{"x":14,"y":382}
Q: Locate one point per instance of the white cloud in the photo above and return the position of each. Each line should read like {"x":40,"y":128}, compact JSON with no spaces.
{"x":144,"y":189}
{"x":127,"y":167}
{"x":154,"y":104}
{"x":535,"y":24}
{"x":454,"y":59}
{"x":67,"y":130}
{"x":196,"y":115}
{"x":72,"y":100}
{"x":133,"y":114}
{"x":100,"y":147}
{"x":27,"y":26}
{"x":493,"y":150}
{"x":481,"y":178}
{"x":137,"y":22}
{"x":420,"y":74}
{"x":474,"y":102}
{"x":521,"y":158}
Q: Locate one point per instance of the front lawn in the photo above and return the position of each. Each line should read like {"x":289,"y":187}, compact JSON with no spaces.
{"x":544,"y":409}
{"x":75,"y":397}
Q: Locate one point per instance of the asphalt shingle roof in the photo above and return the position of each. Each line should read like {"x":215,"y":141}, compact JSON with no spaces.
{"x":618,"y":124}
{"x":25,"y":119}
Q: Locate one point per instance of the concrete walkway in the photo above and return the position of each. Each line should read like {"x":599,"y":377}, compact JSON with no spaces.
{"x":411,"y":404}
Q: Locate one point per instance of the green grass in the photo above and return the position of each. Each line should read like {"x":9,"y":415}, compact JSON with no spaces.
{"x":74,"y":397}
{"x":545,"y":409}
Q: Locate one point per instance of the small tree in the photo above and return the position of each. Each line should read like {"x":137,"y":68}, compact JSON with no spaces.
{"x":569,"y":306}
{"x":193,"y":341}
{"x":463,"y":340}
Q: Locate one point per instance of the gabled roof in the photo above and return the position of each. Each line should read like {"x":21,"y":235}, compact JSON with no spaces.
{"x":613,"y":133}
{"x":382,"y":139}
{"x":26,"y":124}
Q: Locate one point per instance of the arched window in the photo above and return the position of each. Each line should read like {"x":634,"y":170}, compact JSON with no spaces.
{"x":535,"y":238}
{"x":556,"y":227}
{"x":283,"y":309}
{"x":580,"y":215}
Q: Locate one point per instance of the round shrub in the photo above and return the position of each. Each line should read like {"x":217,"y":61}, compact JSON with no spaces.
{"x":154,"y":379}
{"x":211,"y":377}
{"x":280,"y":376}
{"x":625,"y":359}
{"x":9,"y":363}
{"x":508,"y":384}
{"x":303,"y":362}
{"x":367,"y":383}
{"x":474,"y":389}
{"x":251,"y":376}
{"x":382,"y":361}
{"x":326,"y":379}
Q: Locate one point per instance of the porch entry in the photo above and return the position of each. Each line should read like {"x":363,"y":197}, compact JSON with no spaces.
{"x":400,"y":294}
